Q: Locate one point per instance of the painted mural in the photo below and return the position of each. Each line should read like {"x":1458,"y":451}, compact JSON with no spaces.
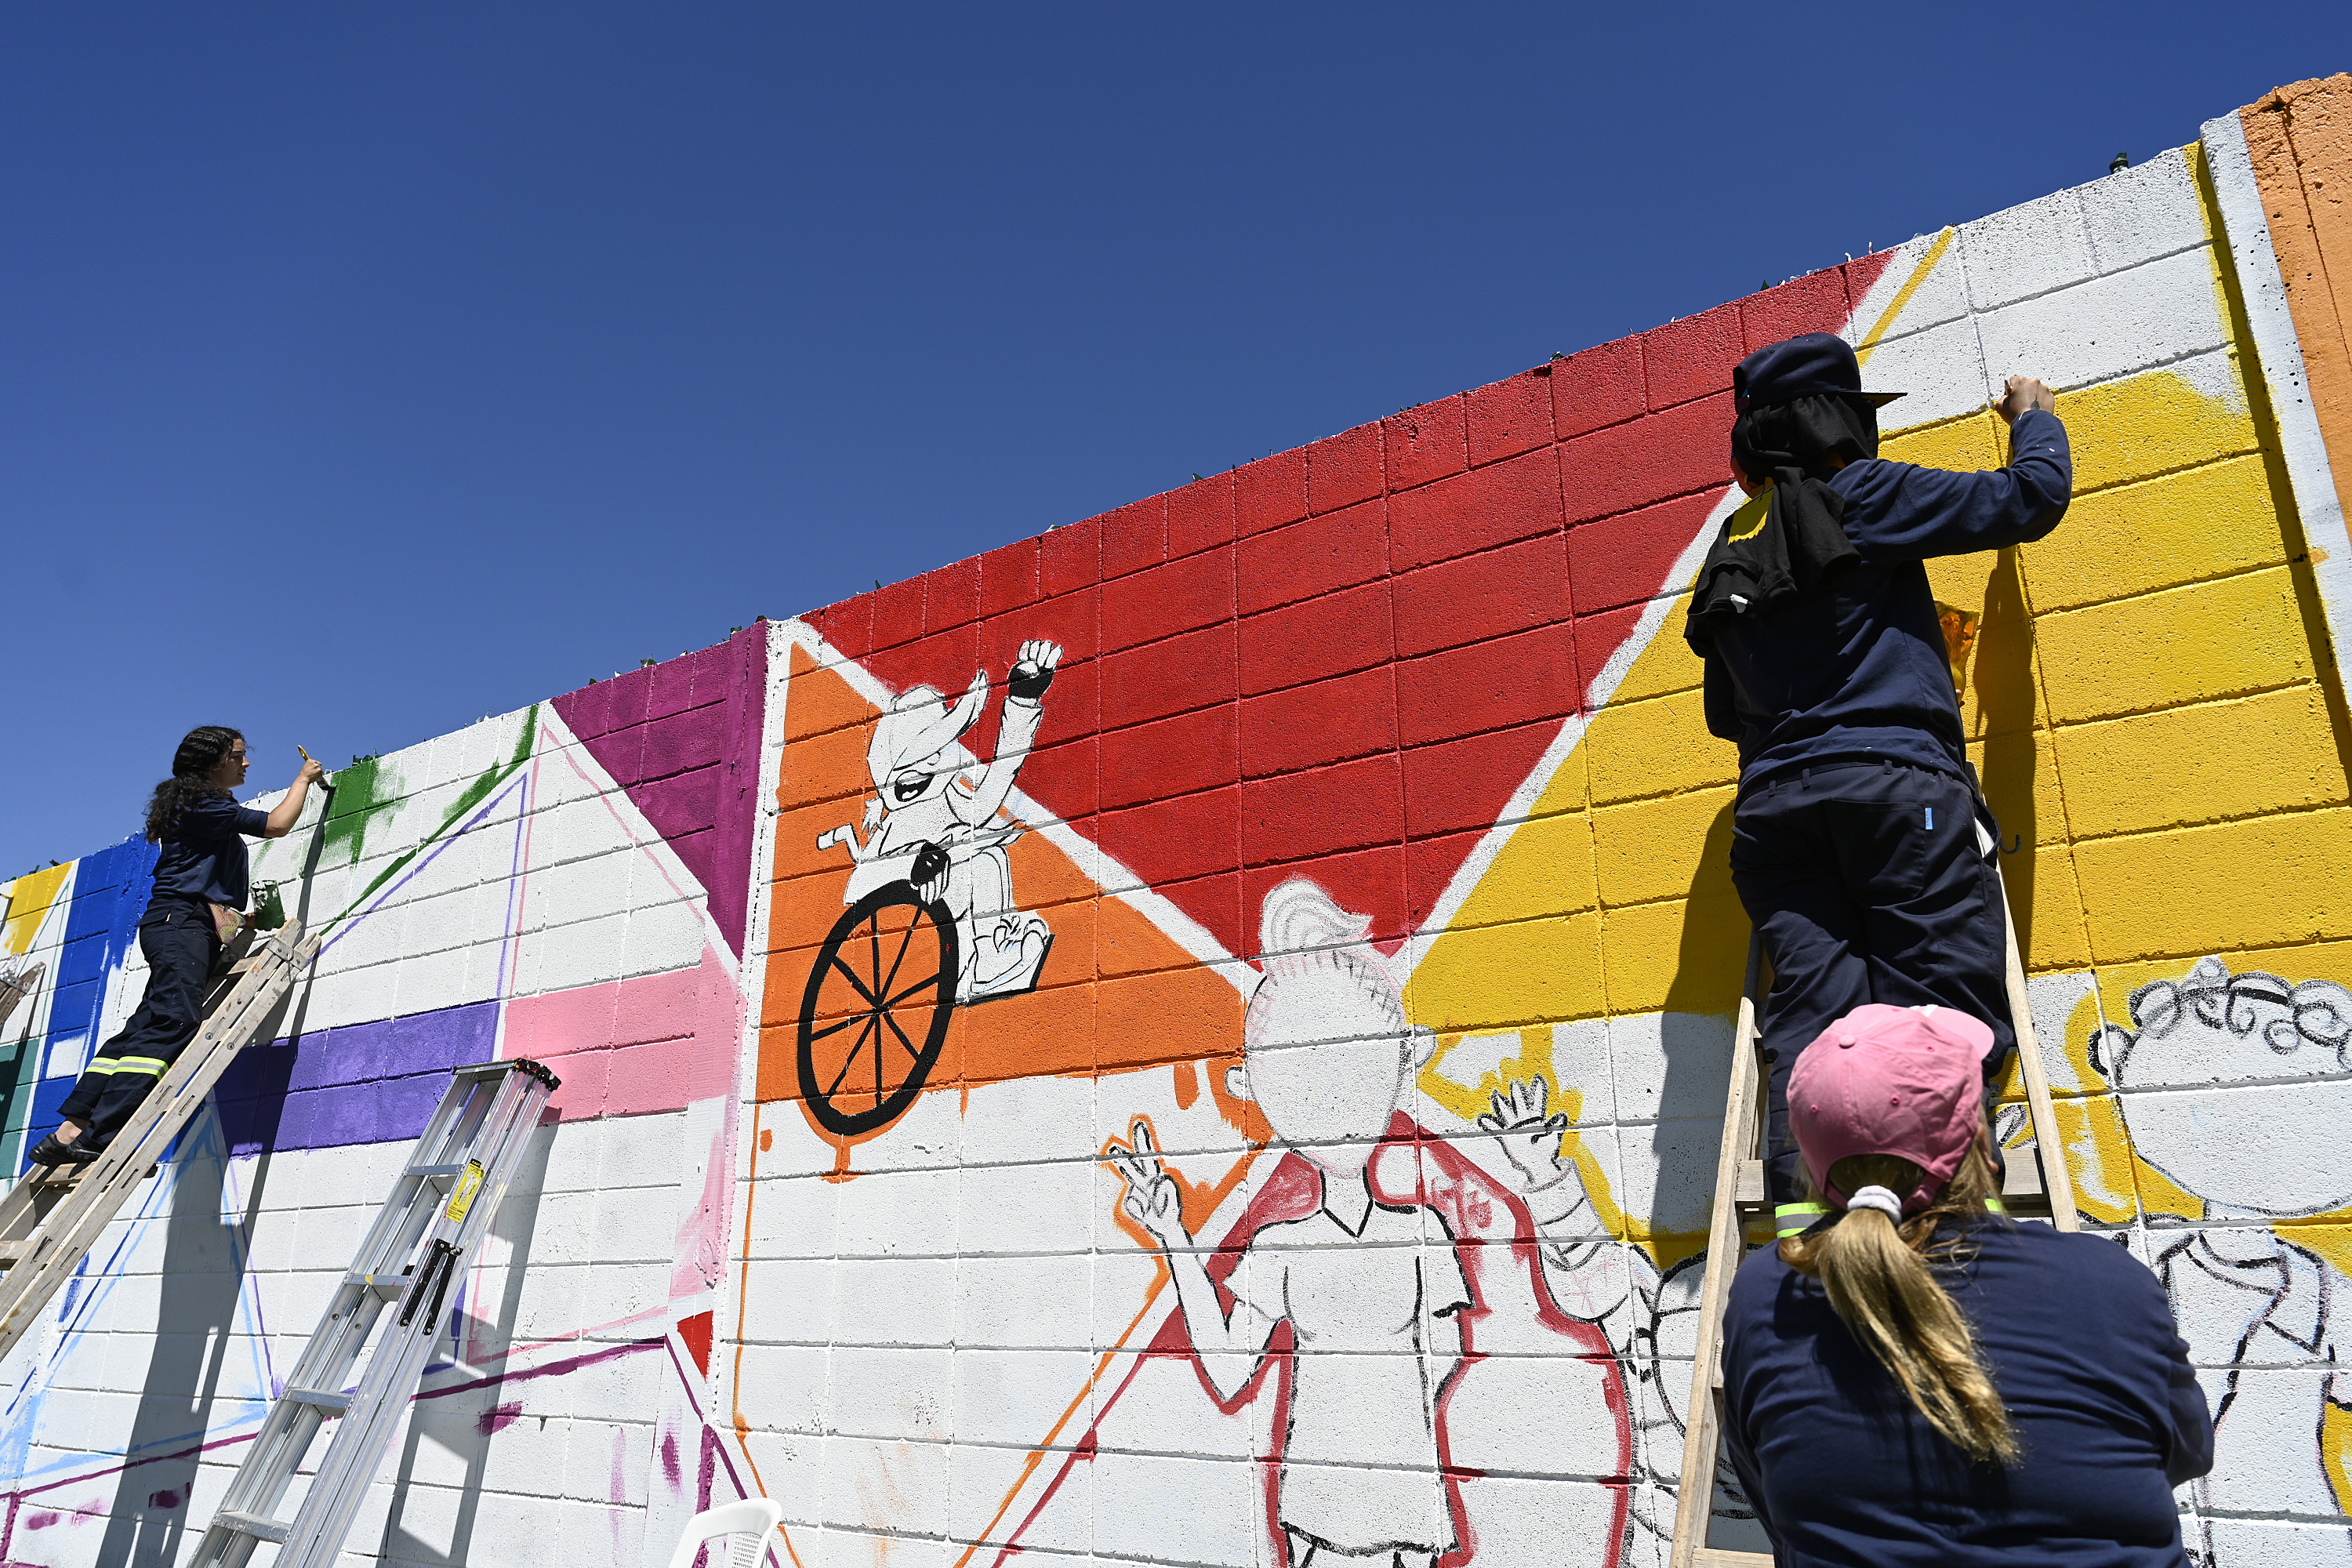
{"x":1199,"y":1037}
{"x":536,"y":884}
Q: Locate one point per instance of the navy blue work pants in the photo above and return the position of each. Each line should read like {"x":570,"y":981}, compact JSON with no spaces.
{"x":180,"y":945}
{"x":1869,"y":883}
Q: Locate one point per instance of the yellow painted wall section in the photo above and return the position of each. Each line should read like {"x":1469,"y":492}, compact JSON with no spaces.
{"x":2207,"y":762}
{"x":2172,"y":618}
{"x":2167,"y":650}
{"x":29,"y":897}
{"x":2197,"y":524}
{"x":2202,"y":889}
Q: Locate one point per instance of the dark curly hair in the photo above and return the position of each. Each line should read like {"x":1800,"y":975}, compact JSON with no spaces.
{"x":201,"y":751}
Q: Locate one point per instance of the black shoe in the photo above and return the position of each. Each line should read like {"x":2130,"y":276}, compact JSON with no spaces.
{"x":49,"y":1151}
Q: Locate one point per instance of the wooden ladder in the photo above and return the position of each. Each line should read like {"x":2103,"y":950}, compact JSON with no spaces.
{"x":2036,"y":1187}
{"x":54,"y":1214}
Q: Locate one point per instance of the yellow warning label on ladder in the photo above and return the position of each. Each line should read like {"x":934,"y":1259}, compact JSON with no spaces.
{"x":461,"y":1197}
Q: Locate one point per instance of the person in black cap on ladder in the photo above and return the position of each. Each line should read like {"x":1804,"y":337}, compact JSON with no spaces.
{"x":201,"y":888}
{"x":1860,"y":845}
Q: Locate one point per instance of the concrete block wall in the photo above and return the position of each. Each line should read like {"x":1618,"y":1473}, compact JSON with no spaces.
{"x":932,"y":1273}
{"x":568,"y":883}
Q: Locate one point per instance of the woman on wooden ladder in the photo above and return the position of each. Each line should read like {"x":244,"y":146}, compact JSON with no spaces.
{"x":1859,"y":846}
{"x":201,"y":888}
{"x":1918,"y":1380}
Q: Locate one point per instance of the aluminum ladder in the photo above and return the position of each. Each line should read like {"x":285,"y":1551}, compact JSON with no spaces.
{"x":2038,"y":1187}
{"x":425,"y":1234}
{"x":54,"y":1213}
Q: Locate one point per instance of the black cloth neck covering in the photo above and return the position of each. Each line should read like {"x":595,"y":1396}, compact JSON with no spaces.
{"x":1802,"y":546}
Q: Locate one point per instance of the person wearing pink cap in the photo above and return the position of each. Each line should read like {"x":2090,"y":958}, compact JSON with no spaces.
{"x":1917,"y":1380}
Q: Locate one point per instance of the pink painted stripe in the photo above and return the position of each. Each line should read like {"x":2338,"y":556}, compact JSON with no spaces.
{"x":628,"y":1048}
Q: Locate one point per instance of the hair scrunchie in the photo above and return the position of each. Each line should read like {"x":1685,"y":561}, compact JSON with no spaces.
{"x":1879,"y":1198}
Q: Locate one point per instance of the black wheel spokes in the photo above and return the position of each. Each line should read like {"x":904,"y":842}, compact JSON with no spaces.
{"x":879,"y":992}
{"x":904,"y":943}
{"x":850,"y":1060}
{"x":851,"y":975}
{"x":925,"y":983}
{"x":902,"y":1039}
{"x":880,"y":999}
{"x":874,"y":938}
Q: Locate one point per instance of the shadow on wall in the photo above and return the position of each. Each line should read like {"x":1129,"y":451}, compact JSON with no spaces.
{"x":461,"y":1422}
{"x":204,"y":1262}
{"x":2002,"y":674}
{"x":250,"y":1098}
{"x":1702,"y":1005}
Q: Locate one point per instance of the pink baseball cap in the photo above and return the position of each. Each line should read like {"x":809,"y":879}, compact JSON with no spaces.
{"x":1905,"y":1082}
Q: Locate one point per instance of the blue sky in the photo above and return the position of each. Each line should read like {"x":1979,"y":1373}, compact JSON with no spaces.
{"x":364,"y":370}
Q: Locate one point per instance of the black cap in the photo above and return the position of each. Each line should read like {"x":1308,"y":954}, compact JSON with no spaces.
{"x":1806,"y":365}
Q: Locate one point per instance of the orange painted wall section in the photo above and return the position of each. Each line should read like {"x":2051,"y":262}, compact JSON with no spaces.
{"x":2300,"y":138}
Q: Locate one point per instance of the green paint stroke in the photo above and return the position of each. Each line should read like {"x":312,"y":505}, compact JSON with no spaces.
{"x":353,"y":822}
{"x":364,"y":793}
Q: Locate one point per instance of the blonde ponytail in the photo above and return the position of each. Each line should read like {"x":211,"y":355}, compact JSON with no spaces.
{"x":1881,"y":1288}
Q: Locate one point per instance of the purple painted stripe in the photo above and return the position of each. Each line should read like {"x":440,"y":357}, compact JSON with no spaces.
{"x":550,"y":1369}
{"x":366,"y":1083}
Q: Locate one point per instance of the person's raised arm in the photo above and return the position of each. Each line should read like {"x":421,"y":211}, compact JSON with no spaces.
{"x":1912,"y":513}
{"x":289,"y":810}
{"x":1017,"y":728}
{"x":1227,"y":1344}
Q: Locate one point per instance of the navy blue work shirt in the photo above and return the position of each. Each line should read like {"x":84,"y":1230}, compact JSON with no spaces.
{"x":2080,"y":1343}
{"x":1858,"y":671}
{"x":204,"y":853}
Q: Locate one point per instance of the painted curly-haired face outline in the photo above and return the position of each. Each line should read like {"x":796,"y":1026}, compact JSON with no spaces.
{"x":2306,"y":1029}
{"x":1327,"y":1052}
{"x":2221,"y":1071}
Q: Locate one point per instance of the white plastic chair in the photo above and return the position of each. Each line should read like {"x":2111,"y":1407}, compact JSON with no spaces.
{"x":737,"y":1535}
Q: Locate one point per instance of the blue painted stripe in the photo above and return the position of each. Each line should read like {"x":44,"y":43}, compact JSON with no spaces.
{"x":109,"y":893}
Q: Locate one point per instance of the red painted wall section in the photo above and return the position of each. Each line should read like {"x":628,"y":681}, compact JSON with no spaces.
{"x":683,"y":740}
{"x":1340,"y":660}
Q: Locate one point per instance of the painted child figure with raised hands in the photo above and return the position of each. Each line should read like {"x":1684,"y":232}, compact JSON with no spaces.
{"x":1370,"y":1290}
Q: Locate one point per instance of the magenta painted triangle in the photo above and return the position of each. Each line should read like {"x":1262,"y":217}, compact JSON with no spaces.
{"x":683,"y":740}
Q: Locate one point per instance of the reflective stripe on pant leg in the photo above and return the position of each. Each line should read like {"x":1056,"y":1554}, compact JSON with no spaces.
{"x":82,"y":1101}
{"x":1790,"y":1219}
{"x":179,"y":957}
{"x":124,"y":1092}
